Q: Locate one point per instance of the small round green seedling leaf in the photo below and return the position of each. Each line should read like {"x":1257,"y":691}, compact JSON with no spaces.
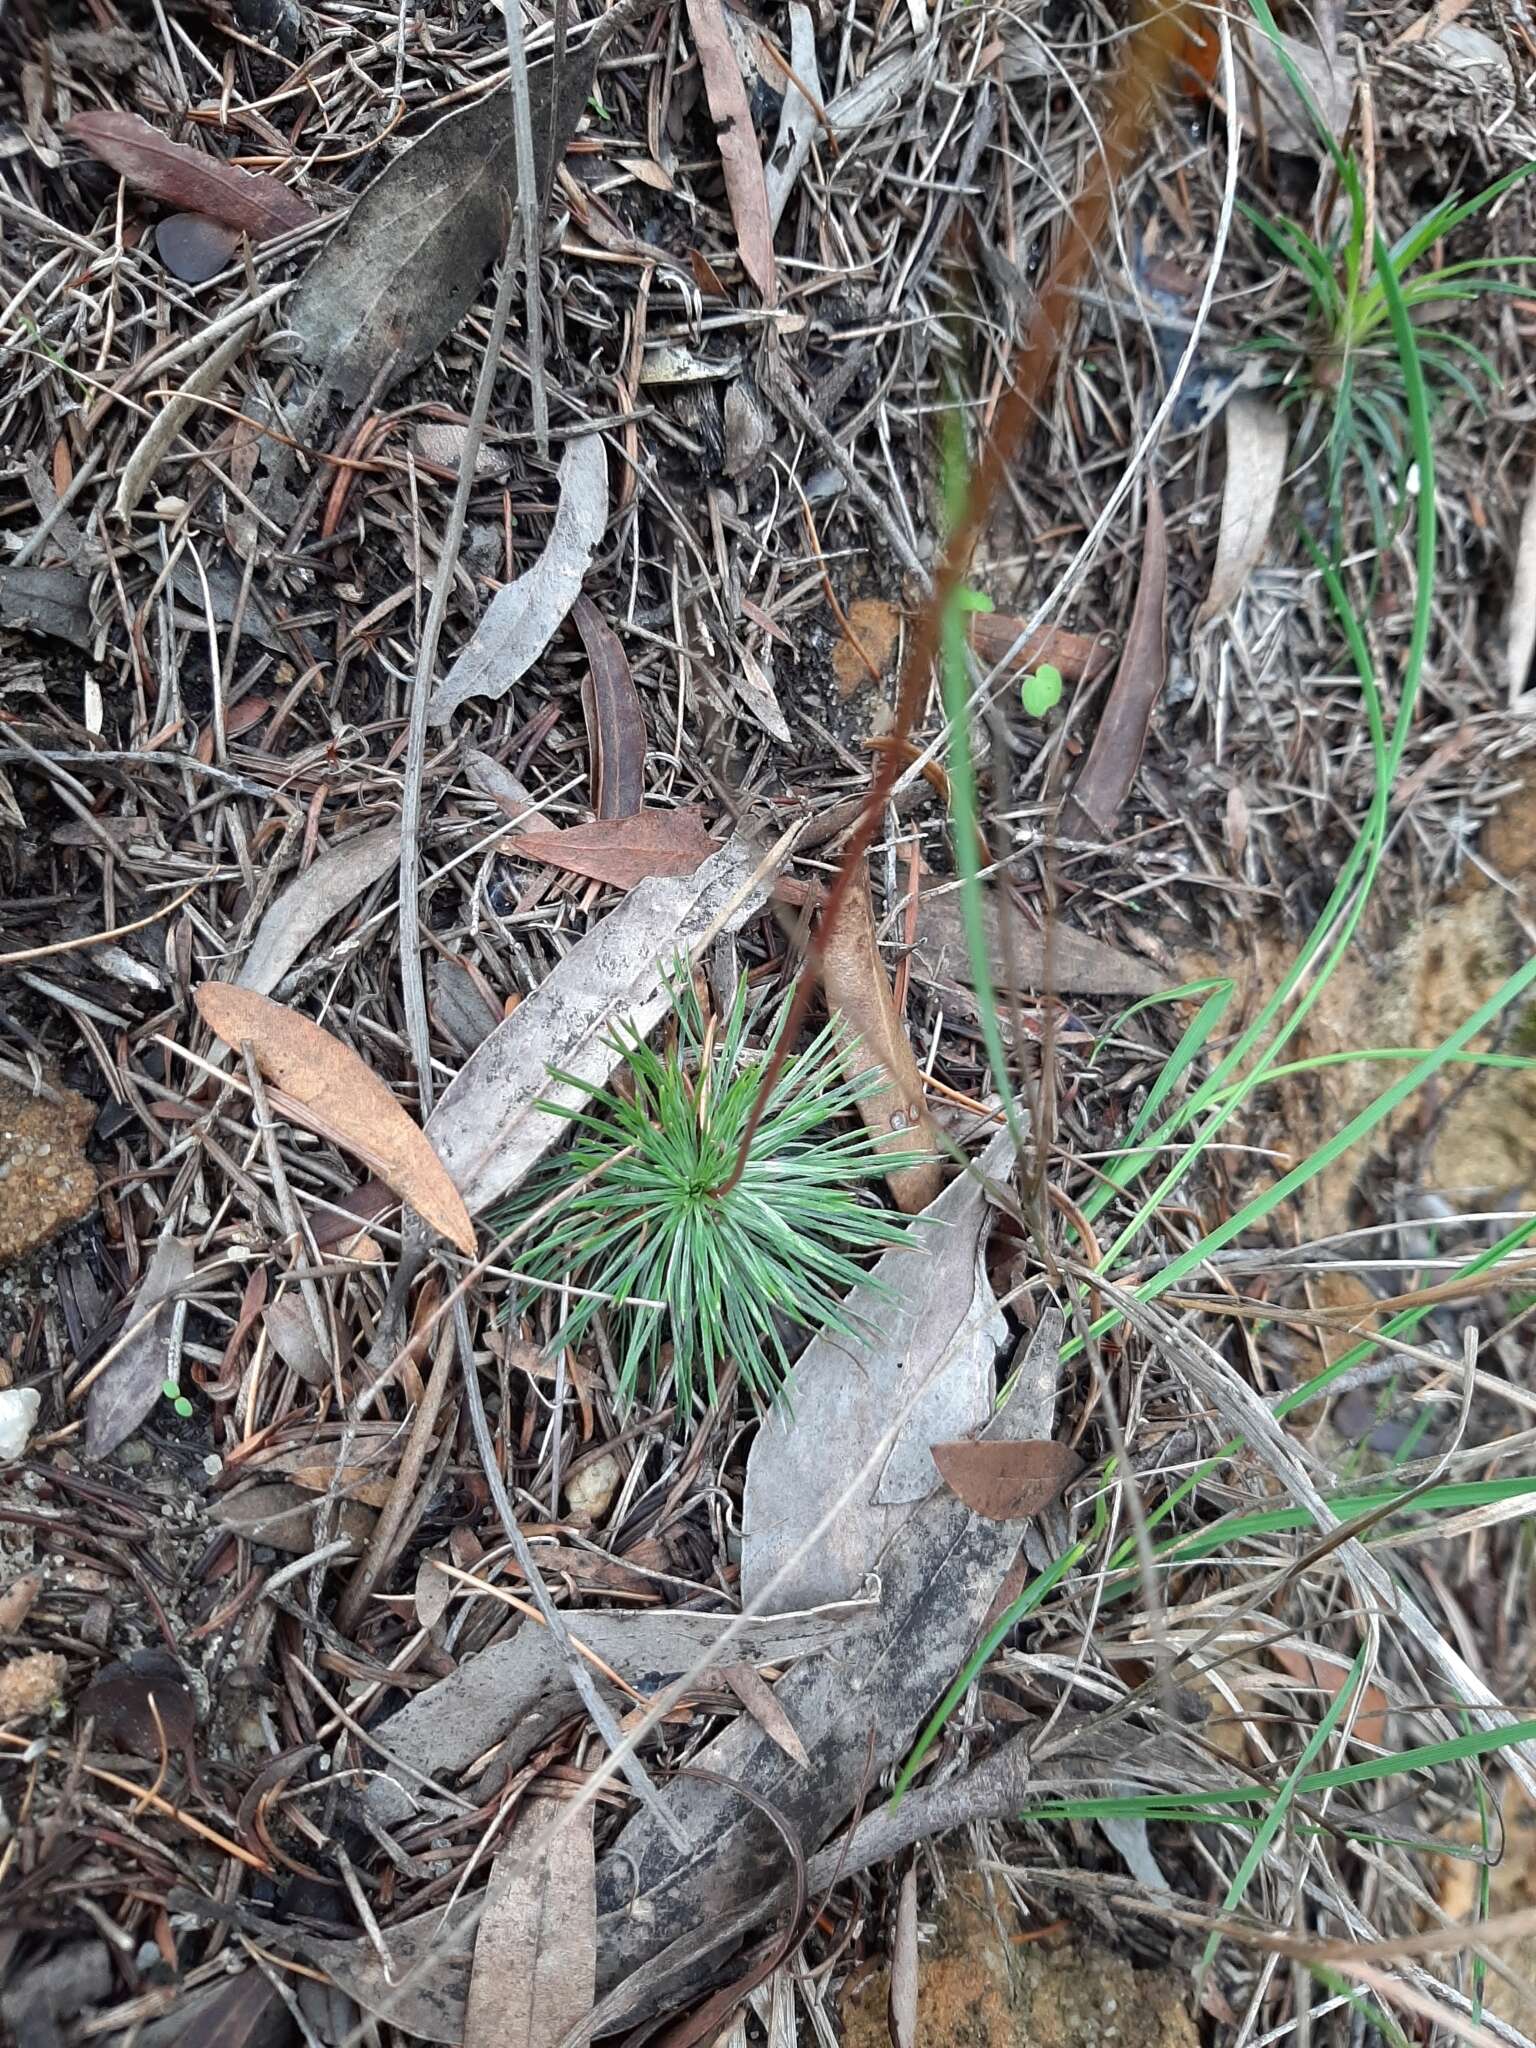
{"x":170,"y":1389}
{"x":182,"y":1406}
{"x":1041,"y":692}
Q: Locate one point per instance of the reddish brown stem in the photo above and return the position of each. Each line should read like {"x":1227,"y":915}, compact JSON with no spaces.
{"x":1164,"y":36}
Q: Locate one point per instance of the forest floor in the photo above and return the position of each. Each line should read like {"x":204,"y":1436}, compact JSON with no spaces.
{"x":421,"y":688}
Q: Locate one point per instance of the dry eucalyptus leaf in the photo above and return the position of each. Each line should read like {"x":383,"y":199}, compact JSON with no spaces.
{"x":855,"y":1714}
{"x":407,"y":264}
{"x":1104,"y":781}
{"x":1520,"y":620}
{"x":179,"y":176}
{"x":521,"y":618}
{"x":131,"y":1385}
{"x":342,"y":1098}
{"x":1268,"y":102}
{"x":301,"y":911}
{"x":292,"y":1336}
{"x":622,"y":851}
{"x":736,"y":140}
{"x":902,"y":2015}
{"x":799,"y":117}
{"x":929,"y":1318}
{"x":1007,"y":1482}
{"x":164,"y":429}
{"x":535,"y":1970}
{"x":858,"y":989}
{"x":55,"y":602}
{"x":615,"y":717}
{"x":756,"y":1695}
{"x":1257,"y":442}
{"x":422,"y":1990}
{"x":488,"y":1128}
{"x":1062,"y":959}
{"x":433,"y":1592}
{"x":282,"y":1517}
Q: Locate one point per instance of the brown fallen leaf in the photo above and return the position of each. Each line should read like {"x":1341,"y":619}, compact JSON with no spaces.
{"x":1080,"y":657}
{"x":1328,"y":1675}
{"x":901,"y":2013}
{"x":622,"y":851}
{"x":859,"y":990}
{"x":740,"y":158}
{"x":1258,"y":438}
{"x":1007,"y":1482}
{"x":615,"y":721}
{"x":756,"y":1695}
{"x":187,"y":178}
{"x":1104,"y":781}
{"x":283,"y":1517}
{"x":866,"y":651}
{"x":534,"y":1975}
{"x":327,"y":1081}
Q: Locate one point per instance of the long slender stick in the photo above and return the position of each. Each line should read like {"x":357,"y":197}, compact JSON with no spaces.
{"x":1161,"y":35}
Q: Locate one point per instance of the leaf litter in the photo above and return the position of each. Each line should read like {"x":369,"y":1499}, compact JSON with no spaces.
{"x":179,"y":772}
{"x":490,"y":1128}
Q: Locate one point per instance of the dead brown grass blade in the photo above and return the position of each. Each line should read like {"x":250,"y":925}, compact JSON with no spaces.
{"x":1105,"y":780}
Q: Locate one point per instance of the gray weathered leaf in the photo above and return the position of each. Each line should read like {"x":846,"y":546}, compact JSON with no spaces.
{"x":303,"y":910}
{"x":931,"y":1319}
{"x":1520,"y":620}
{"x":487,"y":1129}
{"x":1257,"y":441}
{"x":423,"y":1988}
{"x":131,"y":1384}
{"x":1062,"y":960}
{"x":535,"y":1968}
{"x":903,"y":1993}
{"x":1271,"y":104}
{"x":283,"y":1517}
{"x":155,"y":443}
{"x":519,"y":1691}
{"x":521,"y":618}
{"x":857,"y":1708}
{"x":407,"y":264}
{"x":54,"y":602}
{"x":799,"y":118}
{"x":855,"y":1714}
